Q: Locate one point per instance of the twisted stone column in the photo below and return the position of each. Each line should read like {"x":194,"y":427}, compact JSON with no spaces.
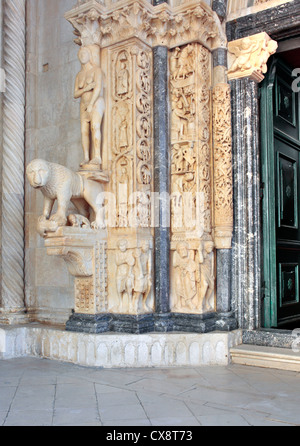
{"x":12,"y":206}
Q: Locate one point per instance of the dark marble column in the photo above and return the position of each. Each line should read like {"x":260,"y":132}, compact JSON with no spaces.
{"x":158,"y":2}
{"x":220,"y":7}
{"x":246,"y":261}
{"x":162,"y":186}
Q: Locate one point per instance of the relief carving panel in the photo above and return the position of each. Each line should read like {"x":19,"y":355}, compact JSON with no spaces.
{"x":191,"y":179}
{"x":131,"y":164}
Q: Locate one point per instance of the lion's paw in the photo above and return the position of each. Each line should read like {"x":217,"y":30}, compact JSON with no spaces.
{"x":59,"y":220}
{"x":96,"y":226}
{"x":42,"y":219}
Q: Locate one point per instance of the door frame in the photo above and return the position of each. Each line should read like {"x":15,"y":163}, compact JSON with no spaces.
{"x":269,"y":297}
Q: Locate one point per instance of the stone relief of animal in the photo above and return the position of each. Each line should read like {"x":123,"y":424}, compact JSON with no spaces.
{"x":59,"y":183}
{"x":78,"y":221}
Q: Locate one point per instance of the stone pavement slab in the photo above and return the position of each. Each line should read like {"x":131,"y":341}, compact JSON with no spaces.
{"x":40,"y":392}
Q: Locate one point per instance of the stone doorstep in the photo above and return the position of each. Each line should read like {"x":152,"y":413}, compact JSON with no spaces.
{"x":267,"y":357}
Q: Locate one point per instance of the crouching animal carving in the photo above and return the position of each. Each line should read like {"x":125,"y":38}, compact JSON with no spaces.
{"x":78,"y":221}
{"x":59,"y":183}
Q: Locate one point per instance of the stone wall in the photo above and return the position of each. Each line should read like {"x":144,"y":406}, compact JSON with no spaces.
{"x":53,"y":134}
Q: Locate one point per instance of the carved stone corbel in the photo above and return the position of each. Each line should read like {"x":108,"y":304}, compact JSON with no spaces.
{"x":248,"y":57}
{"x":84,"y":252}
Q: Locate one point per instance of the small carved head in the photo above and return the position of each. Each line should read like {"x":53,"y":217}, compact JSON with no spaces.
{"x":84,"y":55}
{"x":209,"y":246}
{"x":183,"y":249}
{"x":73,"y":220}
{"x":145,"y":246}
{"x":38,"y":173}
{"x":123,"y":245}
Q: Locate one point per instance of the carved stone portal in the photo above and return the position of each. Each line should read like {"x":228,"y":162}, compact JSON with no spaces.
{"x":108,"y":241}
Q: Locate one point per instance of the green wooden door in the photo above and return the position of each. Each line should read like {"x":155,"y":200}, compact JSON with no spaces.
{"x":281,"y":211}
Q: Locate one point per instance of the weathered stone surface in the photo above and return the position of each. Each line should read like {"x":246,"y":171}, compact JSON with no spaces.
{"x":276,"y":22}
{"x":161,"y":176}
{"x":246,"y":269}
{"x":119,"y":350}
{"x":270,"y":338}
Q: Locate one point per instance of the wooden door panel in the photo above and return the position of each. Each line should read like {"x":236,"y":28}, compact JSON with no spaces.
{"x":287,"y":191}
{"x":287,"y":187}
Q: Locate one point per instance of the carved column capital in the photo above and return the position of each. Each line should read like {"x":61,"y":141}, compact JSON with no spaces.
{"x":160,"y":25}
{"x":248,"y":57}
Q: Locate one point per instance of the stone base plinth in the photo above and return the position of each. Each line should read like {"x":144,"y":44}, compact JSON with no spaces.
{"x":152,"y":322}
{"x":127,"y":323}
{"x":86,"y":323}
{"x":203,"y":323}
{"x":115,"y":350}
{"x":13,"y":317}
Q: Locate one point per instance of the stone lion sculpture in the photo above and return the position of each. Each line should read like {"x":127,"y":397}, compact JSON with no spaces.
{"x":59,"y":183}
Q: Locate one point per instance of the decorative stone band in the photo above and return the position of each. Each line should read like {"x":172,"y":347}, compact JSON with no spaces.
{"x":12,"y":206}
{"x":120,"y":350}
{"x":155,"y":25}
{"x":223,"y":196}
{"x":248,"y":57}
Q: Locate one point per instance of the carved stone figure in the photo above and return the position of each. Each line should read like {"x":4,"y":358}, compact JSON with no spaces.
{"x":59,"y":183}
{"x":124,"y":277}
{"x":89,"y":88}
{"x":186,"y":278}
{"x":243,"y":54}
{"x":142,"y":276}
{"x":78,"y":221}
{"x":207,"y":277}
{"x":180,"y":107}
{"x":247,"y":57}
{"x":123,"y":78}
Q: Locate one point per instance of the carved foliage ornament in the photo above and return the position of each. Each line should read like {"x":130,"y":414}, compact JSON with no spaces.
{"x":222,"y":164}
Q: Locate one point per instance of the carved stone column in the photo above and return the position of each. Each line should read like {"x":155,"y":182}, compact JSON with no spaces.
{"x":223,"y":254}
{"x":247,"y":66}
{"x":12,"y":197}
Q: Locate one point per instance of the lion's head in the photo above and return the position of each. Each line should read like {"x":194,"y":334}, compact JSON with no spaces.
{"x":38,"y":173}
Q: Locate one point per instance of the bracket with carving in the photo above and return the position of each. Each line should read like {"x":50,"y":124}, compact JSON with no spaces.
{"x":248,"y":57}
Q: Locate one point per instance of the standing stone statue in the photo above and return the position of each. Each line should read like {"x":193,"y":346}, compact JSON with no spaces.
{"x":89,"y":87}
